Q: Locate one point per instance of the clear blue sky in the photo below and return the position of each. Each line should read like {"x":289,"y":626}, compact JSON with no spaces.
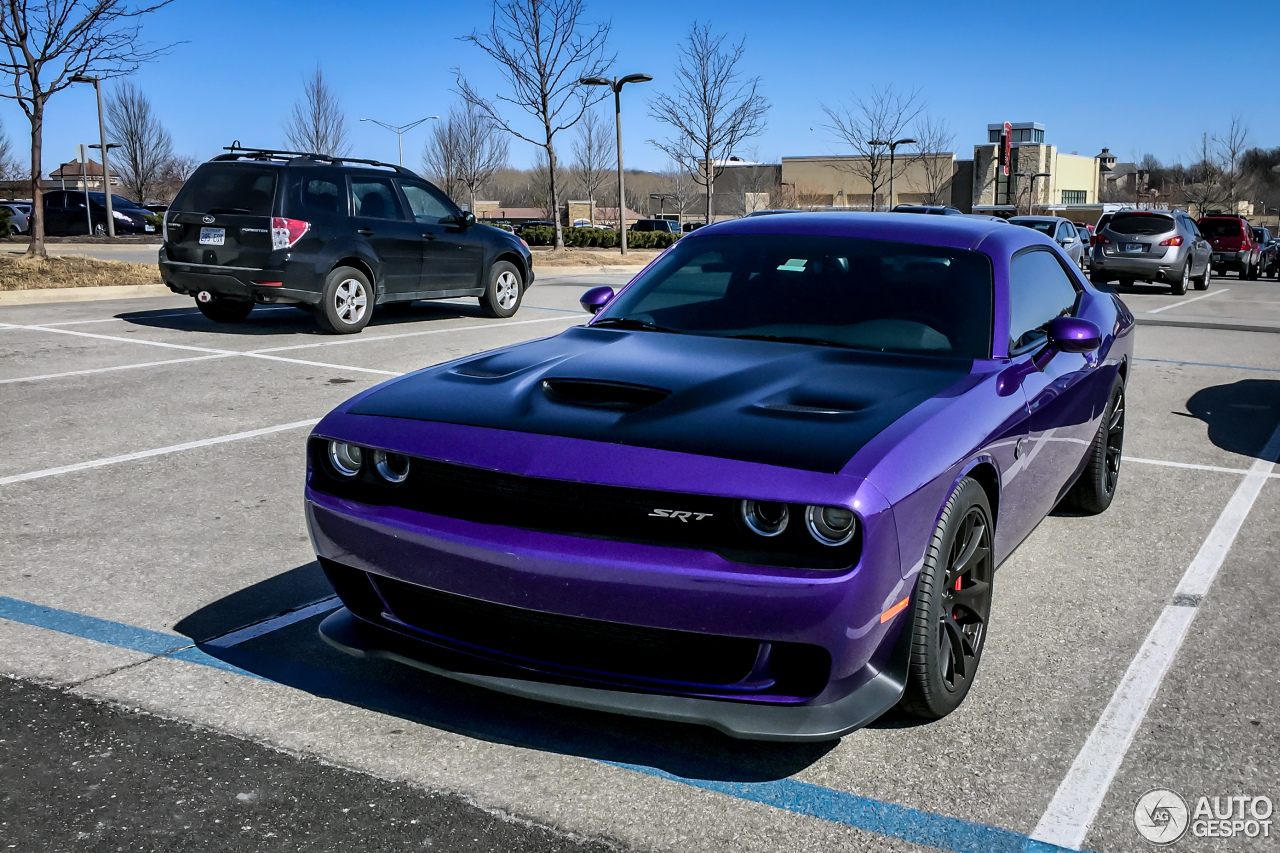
{"x":244,"y":62}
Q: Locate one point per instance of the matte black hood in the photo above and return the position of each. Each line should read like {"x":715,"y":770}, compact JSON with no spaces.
{"x":793,"y":405}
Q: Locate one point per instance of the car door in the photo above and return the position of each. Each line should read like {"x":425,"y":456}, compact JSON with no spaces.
{"x":1060,"y":397}
{"x":452,"y":252}
{"x":55,"y":213}
{"x":1199,"y":246}
{"x":396,"y":240}
{"x":1069,"y":239}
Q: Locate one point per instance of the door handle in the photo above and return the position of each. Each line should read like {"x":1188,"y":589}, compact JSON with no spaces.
{"x":365,"y":232}
{"x":428,"y":236}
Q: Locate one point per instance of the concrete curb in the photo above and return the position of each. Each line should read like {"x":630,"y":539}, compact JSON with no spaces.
{"x":555,"y":270}
{"x":82,"y":294}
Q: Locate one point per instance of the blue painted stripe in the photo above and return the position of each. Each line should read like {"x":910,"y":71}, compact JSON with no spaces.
{"x":1209,"y":364}
{"x":887,"y":819}
{"x":111,"y":633}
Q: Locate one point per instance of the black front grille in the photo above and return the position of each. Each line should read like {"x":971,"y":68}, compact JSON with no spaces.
{"x":584,"y":509}
{"x":586,"y":648}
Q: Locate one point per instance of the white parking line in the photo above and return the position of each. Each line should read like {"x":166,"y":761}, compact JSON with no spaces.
{"x":1185,"y":301}
{"x":1074,"y":806}
{"x":159,"y":451}
{"x":109,"y":369}
{"x":363,"y":339}
{"x":266,"y":626}
{"x":1193,"y":466}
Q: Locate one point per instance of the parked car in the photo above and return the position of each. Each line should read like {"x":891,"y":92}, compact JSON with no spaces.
{"x":1086,"y":226}
{"x":765,"y":489}
{"x":690,"y":227}
{"x":156,"y":207}
{"x":667,"y":226}
{"x":19,"y":222}
{"x":1234,"y":247}
{"x":1062,"y":231}
{"x":764,"y":212}
{"x":937,"y":210}
{"x":1268,"y":252}
{"x":66,"y":214}
{"x":1086,"y":241}
{"x":1163,"y":246}
{"x":339,"y":234}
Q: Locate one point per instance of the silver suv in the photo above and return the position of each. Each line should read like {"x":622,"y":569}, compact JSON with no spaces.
{"x":1162,"y":246}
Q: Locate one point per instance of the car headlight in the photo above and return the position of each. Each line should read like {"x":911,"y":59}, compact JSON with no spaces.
{"x":345,"y":458}
{"x":830,"y":525}
{"x":392,"y":467}
{"x":766,"y":518}
{"x":123,"y":217}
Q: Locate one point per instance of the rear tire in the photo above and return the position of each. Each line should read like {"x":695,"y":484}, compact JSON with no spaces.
{"x":1126,"y":282}
{"x":1179,"y":287}
{"x":221,"y":310}
{"x":346,"y":305}
{"x":949,"y":625}
{"x":1096,"y":487}
{"x":1202,"y":283}
{"x":503,"y":291}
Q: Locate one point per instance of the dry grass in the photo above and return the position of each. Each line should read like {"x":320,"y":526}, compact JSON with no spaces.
{"x":545,"y":256}
{"x":17,"y":273}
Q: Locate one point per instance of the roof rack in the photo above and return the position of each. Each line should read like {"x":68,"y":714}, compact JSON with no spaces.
{"x":238,"y":152}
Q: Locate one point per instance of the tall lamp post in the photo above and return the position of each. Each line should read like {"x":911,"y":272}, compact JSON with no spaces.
{"x":892,"y":147}
{"x":616,"y":85}
{"x":400,"y":130}
{"x":1031,"y":195}
{"x":102,"y":139}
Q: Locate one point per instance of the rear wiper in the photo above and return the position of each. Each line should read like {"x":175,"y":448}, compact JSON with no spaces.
{"x":230,"y":210}
{"x":791,"y":339}
{"x":632,"y":323}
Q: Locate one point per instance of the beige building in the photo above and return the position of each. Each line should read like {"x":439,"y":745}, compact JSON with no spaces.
{"x":1072,"y":179}
{"x":843,"y":181}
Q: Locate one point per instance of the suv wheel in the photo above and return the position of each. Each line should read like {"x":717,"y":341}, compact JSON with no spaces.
{"x":99,"y":230}
{"x":1179,"y":286}
{"x":1202,"y":283}
{"x":504,"y":291}
{"x":346,"y":305}
{"x":225,"y":310}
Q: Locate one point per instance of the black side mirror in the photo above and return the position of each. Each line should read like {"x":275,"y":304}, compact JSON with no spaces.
{"x":468,"y":219}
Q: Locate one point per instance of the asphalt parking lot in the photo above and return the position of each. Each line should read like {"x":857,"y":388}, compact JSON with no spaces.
{"x":154,"y":555}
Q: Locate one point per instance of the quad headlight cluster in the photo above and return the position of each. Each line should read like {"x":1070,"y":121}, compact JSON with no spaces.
{"x":829,"y":525}
{"x":347,"y":460}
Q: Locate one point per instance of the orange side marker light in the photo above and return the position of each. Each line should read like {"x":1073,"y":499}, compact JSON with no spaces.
{"x":894,"y":610}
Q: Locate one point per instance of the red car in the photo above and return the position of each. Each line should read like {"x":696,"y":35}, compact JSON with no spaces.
{"x":1234,"y":247}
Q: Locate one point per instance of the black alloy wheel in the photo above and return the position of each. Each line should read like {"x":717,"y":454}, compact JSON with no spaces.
{"x":952,"y":607}
{"x":1095,"y":488}
{"x":1114,"y":427}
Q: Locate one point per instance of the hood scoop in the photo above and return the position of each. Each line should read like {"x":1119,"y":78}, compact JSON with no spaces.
{"x":599,"y":394}
{"x":806,"y":410}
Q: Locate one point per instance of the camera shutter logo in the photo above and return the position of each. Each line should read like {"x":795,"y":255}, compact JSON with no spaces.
{"x":1161,"y":816}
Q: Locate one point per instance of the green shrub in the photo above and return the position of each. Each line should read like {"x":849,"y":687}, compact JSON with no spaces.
{"x":597,"y":238}
{"x":4,"y":222}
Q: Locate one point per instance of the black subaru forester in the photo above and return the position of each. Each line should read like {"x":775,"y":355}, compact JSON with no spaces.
{"x":336,"y":235}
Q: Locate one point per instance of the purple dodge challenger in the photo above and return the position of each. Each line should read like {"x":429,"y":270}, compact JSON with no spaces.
{"x":765,"y":489}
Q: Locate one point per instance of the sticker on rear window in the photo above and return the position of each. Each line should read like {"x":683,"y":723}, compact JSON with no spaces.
{"x":794,"y":265}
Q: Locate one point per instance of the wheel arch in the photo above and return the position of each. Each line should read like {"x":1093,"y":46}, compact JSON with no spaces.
{"x":513,"y":257}
{"x":983,"y":470}
{"x":361,"y":264}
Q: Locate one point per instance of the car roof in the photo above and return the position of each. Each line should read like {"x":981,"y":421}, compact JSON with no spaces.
{"x":957,"y":232}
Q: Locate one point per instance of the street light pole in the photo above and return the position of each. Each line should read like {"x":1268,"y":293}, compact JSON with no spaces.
{"x":399,"y":131}
{"x":616,"y":85}
{"x":893,"y":146}
{"x":1031,"y":195}
{"x":102,"y":139}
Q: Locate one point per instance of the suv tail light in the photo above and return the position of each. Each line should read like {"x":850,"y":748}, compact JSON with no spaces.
{"x":1172,"y":241}
{"x":1101,"y":240}
{"x":286,"y":232}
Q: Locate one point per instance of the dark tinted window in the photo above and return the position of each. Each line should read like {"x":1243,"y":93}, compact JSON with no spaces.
{"x":118,"y":202}
{"x":1140,"y":223}
{"x":863,"y":294}
{"x":323,"y":195}
{"x":426,"y":206}
{"x":1045,"y":226}
{"x":1039,"y":290}
{"x":57,"y":199}
{"x":375,"y":198}
{"x":1220,"y":227}
{"x":228,"y":188}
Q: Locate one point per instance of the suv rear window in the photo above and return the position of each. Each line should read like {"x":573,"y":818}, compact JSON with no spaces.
{"x":228,"y":188}
{"x":1140,"y":223}
{"x":1220,"y":227}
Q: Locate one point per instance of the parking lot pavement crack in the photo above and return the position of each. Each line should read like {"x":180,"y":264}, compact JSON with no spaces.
{"x":72,"y":685}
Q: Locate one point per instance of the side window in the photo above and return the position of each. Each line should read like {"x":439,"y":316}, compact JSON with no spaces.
{"x":75,"y":200}
{"x":426,"y":206}
{"x":57,"y":199}
{"x":323,"y":195}
{"x":1039,"y":291}
{"x":375,"y":198}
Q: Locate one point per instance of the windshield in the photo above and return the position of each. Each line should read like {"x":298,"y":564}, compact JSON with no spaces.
{"x":1220,"y":227}
{"x":228,"y":188}
{"x":118,"y":202}
{"x":833,"y":291}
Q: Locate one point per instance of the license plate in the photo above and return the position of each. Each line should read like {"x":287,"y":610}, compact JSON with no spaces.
{"x":1134,"y":247}
{"x":149,"y":228}
{"x":212,"y":236}
{"x":1217,"y":259}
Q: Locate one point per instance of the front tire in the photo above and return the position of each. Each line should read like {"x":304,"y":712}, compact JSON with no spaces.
{"x":1093,"y":492}
{"x":346,"y":305}
{"x":503,"y":292}
{"x":952,"y":606}
{"x":221,"y":310}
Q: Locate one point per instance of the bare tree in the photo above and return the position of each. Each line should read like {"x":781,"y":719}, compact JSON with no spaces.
{"x":46,"y":44}
{"x":868,"y":126}
{"x":10,"y":167}
{"x":1230,"y":148}
{"x":440,"y":157}
{"x":934,"y":137}
{"x":145,"y":146}
{"x":542,"y":48}
{"x":1201,"y":182}
{"x":176,"y":171}
{"x":317,"y":124}
{"x":542,"y":186}
{"x":592,"y":152}
{"x":679,"y":184}
{"x":712,"y":110}
{"x":465,"y":151}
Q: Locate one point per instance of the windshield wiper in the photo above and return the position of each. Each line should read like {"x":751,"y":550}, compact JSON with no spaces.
{"x":791,"y":339}
{"x":632,"y":323}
